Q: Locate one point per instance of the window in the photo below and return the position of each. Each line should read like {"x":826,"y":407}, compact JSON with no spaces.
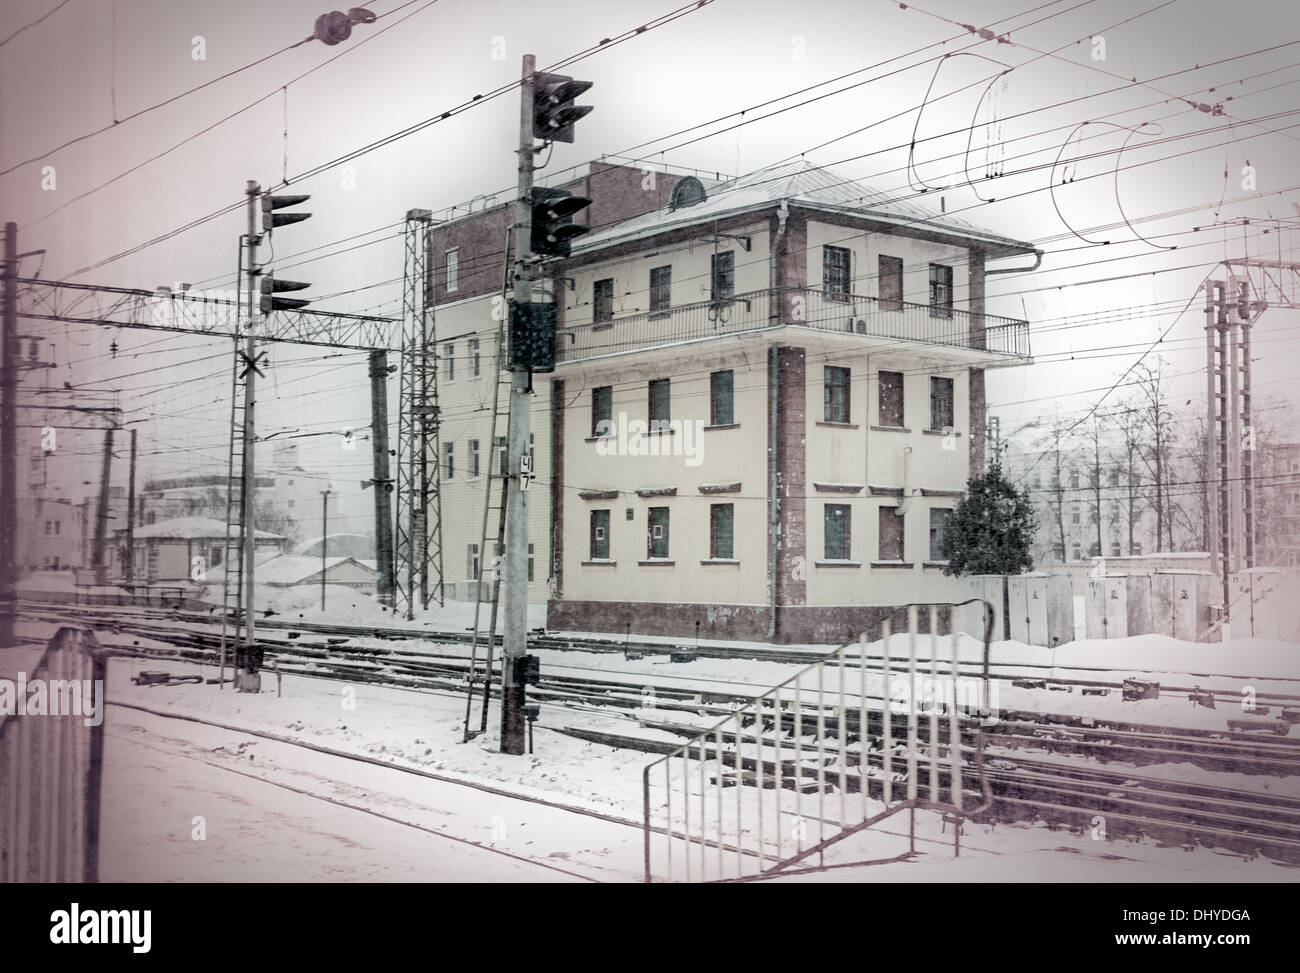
{"x":600,"y":535}
{"x":473,"y":358}
{"x":940,"y":403}
{"x":836,"y":272}
{"x":1114,"y":478}
{"x":453,"y":268}
{"x":503,"y":463}
{"x":659,"y":411}
{"x":939,"y":518}
{"x":472,"y":567}
{"x":835,"y":393}
{"x":1074,"y":513}
{"x":58,"y":528}
{"x":722,"y":409}
{"x":891,"y":398}
{"x":449,"y":355}
{"x":836,"y":530}
{"x":723,"y":276}
{"x":448,"y":461}
{"x":602,"y":411}
{"x":721,"y":530}
{"x":1038,"y":480}
{"x":602,"y":301}
{"x":891,"y":534}
{"x":1074,"y":479}
{"x":530,"y":563}
{"x":1114,"y":549}
{"x":215,"y":559}
{"x":889,"y":272}
{"x":473,"y":459}
{"x":661,"y":286}
{"x":657,"y":530}
{"x":290,"y":504}
{"x":1076,"y":553}
{"x":940,"y":291}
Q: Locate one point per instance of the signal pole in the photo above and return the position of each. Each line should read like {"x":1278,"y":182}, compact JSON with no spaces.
{"x":247,"y":678}
{"x":515,"y":634}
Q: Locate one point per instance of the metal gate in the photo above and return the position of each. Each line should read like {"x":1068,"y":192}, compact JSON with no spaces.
{"x":50,"y":769}
{"x":838,"y":747}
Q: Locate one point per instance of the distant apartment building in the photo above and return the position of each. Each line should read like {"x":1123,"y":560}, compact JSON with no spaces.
{"x":769,"y":393}
{"x":1277,"y":514}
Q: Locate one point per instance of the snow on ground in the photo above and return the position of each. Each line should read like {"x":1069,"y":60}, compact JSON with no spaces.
{"x":152,"y":797}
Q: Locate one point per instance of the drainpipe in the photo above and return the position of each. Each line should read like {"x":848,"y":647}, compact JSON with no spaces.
{"x":773,"y":374}
{"x":1038,"y":262}
{"x":773,"y":485}
{"x":907,"y":482}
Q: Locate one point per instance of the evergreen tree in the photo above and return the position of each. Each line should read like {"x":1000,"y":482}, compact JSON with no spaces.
{"x":991,"y":529}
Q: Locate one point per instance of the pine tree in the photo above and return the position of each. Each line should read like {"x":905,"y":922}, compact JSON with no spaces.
{"x":991,"y":529}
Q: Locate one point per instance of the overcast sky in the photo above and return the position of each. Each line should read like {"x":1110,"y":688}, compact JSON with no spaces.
{"x":94,"y":62}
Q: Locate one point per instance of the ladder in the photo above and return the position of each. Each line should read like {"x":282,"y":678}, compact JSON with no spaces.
{"x":494,"y":503}
{"x":232,"y":594}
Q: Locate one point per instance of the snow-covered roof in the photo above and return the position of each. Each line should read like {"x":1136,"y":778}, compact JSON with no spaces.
{"x":192,"y":528}
{"x":291,"y":569}
{"x":802,"y":183}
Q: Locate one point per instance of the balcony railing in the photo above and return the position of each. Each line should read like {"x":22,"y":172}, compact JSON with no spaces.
{"x":803,"y":307}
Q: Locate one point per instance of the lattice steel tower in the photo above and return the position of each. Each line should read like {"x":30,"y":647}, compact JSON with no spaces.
{"x":419,"y":479}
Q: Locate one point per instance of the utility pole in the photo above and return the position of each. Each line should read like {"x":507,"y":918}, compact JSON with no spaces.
{"x":129,"y":567}
{"x":543,"y":228}
{"x":97,"y":559}
{"x":324,"y":540}
{"x":382,"y":481}
{"x":8,"y":440}
{"x":515,"y":633}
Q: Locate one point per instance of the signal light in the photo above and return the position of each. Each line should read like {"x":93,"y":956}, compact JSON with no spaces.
{"x":554,"y":112}
{"x":271,"y":219}
{"x":271,"y":287}
{"x":532,"y":337}
{"x":553,"y":226}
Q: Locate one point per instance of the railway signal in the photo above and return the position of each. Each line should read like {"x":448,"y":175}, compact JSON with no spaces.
{"x":553,"y":230}
{"x":554,"y":113}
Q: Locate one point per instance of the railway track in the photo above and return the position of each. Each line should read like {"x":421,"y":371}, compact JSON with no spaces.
{"x":1063,"y":793}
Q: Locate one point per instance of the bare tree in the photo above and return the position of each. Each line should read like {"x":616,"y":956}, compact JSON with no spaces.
{"x":1128,"y":466}
{"x":1158,"y":421}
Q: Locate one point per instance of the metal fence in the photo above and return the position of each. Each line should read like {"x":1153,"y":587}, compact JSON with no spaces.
{"x":801,"y":306}
{"x":838,"y":747}
{"x":50,"y":768}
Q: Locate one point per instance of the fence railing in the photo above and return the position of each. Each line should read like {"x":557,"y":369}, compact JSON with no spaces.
{"x":804,"y":306}
{"x":50,"y":768}
{"x":836,"y":748}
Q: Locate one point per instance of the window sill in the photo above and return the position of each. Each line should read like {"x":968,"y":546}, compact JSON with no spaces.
{"x":599,"y":562}
{"x":939,"y":432}
{"x":657,"y":562}
{"x":890,"y":429}
{"x":892,"y":564}
{"x":660,"y":431}
{"x":837,"y":425}
{"x":723,"y":425}
{"x":720,"y":560}
{"x":934,"y":564}
{"x":834,"y":563}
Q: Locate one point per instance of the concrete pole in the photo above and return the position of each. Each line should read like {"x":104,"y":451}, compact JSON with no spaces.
{"x":97,"y":560}
{"x":386,"y":585}
{"x":324,"y":541}
{"x":129,"y":567}
{"x":515,"y":636}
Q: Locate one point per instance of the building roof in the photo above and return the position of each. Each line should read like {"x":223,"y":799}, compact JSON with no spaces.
{"x":292,"y":569}
{"x":193,"y":528}
{"x":806,"y":185}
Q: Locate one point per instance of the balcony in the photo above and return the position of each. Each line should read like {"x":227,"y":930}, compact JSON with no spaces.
{"x":804,"y":307}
